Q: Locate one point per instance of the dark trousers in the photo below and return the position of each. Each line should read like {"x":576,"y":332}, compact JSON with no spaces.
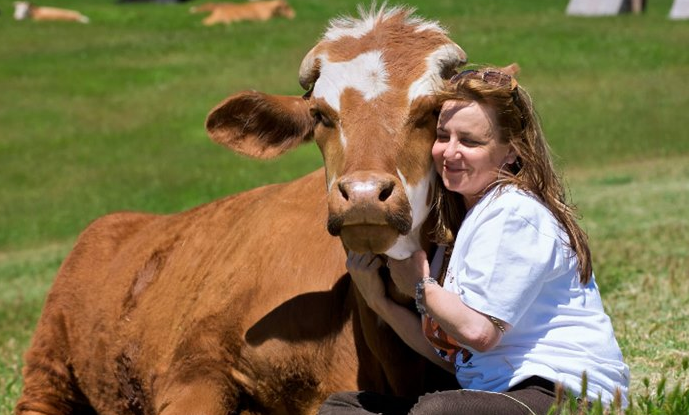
{"x":534,"y":396}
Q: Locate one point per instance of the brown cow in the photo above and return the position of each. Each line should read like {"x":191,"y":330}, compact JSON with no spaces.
{"x":233,"y":12}
{"x":205,"y":7}
{"x":25,"y":10}
{"x":243,"y":305}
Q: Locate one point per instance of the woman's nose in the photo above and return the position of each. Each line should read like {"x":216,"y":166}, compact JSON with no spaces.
{"x":452,"y":150}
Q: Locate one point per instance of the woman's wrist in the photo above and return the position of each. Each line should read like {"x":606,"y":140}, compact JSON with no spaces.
{"x":420,"y":294}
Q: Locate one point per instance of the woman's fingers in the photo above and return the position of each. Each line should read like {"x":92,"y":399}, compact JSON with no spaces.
{"x":376,"y":262}
{"x":363,"y":262}
{"x":363,"y":269}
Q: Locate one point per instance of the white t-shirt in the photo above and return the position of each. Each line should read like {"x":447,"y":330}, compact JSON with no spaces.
{"x":511,"y":260}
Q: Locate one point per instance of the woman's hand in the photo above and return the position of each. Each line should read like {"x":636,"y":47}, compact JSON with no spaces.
{"x":364,"y":271}
{"x":407,"y":272}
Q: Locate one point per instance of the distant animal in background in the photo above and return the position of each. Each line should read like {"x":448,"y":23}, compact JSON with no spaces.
{"x":25,"y":10}
{"x":254,"y":10}
{"x":205,"y":7}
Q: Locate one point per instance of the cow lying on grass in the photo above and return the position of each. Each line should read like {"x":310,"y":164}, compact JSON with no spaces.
{"x":243,"y":305}
{"x":205,"y":7}
{"x":233,"y":12}
{"x":25,"y":10}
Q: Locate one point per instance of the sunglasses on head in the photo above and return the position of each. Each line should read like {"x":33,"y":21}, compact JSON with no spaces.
{"x":491,"y":77}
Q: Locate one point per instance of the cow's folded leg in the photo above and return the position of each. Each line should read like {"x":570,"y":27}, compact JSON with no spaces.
{"x":49,"y":384}
{"x":44,"y":399}
{"x":201,"y":396}
{"x":47,"y":391}
{"x":199,"y":380}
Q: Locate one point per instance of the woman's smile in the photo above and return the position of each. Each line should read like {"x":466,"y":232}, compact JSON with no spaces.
{"x":454,"y":169}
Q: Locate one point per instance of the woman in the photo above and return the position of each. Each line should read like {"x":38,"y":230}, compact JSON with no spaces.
{"x":516,"y":310}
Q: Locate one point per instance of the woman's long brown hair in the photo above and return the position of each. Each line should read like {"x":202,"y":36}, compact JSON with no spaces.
{"x":533,"y":171}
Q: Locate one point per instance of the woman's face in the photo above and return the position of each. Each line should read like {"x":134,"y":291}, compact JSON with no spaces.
{"x":467,"y":151}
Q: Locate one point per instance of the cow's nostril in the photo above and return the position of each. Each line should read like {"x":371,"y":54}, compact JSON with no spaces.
{"x":343,"y":191}
{"x":386,"y":192}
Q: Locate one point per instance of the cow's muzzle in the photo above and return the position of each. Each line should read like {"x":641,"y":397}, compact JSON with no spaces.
{"x":368,"y":210}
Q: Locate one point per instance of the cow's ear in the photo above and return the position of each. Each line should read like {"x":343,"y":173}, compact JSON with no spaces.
{"x":260,"y":125}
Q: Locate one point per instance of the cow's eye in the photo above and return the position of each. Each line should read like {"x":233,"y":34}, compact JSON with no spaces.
{"x":422,"y":122}
{"x":425,"y":120}
{"x":321,"y":118}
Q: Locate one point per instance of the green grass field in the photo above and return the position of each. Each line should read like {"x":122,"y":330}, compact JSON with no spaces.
{"x":109,"y":116}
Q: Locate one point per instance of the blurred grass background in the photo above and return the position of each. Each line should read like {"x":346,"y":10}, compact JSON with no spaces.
{"x":109,"y":116}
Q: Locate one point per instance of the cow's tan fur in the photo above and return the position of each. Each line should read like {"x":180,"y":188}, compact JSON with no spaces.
{"x":242,"y":305}
{"x":205,"y":7}
{"x":254,"y":10}
{"x":43,"y":13}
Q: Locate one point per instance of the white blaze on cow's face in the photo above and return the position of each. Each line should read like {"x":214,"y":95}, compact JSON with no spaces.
{"x":372,"y":83}
{"x":365,"y":73}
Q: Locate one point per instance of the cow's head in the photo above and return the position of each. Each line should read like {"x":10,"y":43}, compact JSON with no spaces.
{"x":282,"y":9}
{"x":371,"y":109}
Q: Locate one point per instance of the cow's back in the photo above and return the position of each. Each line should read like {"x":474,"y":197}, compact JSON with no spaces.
{"x":234,"y":12}
{"x":252,"y":281}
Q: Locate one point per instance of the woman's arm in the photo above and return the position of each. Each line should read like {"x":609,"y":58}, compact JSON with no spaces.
{"x":364,"y":271}
{"x":461,"y":322}
{"x":464,"y":324}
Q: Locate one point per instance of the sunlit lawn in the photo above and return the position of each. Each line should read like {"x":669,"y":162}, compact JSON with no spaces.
{"x":109,"y":116}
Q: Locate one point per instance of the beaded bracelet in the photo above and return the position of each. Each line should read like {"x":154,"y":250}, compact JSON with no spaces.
{"x":420,"y":293}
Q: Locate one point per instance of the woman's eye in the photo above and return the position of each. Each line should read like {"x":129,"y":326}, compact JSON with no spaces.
{"x":469,"y":143}
{"x":442,"y":138}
